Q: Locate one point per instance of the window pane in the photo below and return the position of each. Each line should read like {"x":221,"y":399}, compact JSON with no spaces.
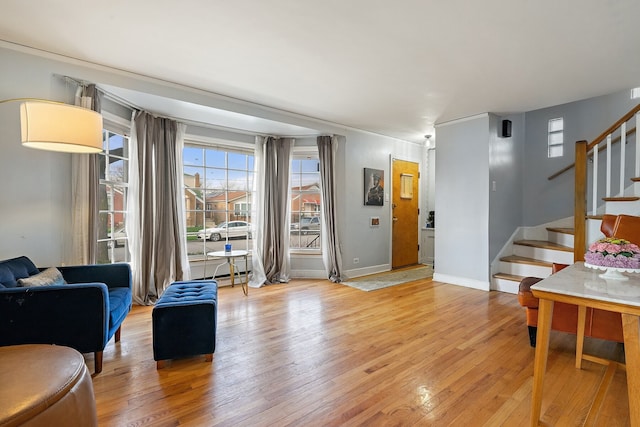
{"x":116,"y":143}
{"x":216,"y":179}
{"x":215,"y":158}
{"x":556,"y":138}
{"x":555,"y":151}
{"x":310,"y":165}
{"x":193,"y":156}
{"x":238,"y":161}
{"x":556,"y":125}
{"x":117,"y":170}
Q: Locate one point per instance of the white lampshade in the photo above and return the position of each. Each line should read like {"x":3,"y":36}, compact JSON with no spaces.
{"x":60,"y":127}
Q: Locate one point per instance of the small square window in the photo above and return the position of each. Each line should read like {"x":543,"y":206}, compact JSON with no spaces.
{"x":555,"y":141}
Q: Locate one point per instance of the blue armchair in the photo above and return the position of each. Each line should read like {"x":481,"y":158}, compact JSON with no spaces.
{"x":83,"y":314}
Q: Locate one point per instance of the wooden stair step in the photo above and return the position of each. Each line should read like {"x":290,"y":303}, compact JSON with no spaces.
{"x":543,"y":244}
{"x":621,"y":199}
{"x":562,"y":230}
{"x":505,"y":276}
{"x":524,"y":260}
{"x":636,"y":179}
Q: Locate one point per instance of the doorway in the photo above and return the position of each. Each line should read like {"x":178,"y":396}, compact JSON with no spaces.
{"x":404,"y":234}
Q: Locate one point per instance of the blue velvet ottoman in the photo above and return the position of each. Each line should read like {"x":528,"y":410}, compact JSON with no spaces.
{"x":184,"y":321}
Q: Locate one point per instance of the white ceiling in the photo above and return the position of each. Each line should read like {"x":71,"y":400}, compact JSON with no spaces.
{"x":394,"y":68}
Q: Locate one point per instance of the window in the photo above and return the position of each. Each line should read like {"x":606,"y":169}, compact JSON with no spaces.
{"x":556,"y":137}
{"x":218,"y":185}
{"x":112,"y":199}
{"x":305,"y":203}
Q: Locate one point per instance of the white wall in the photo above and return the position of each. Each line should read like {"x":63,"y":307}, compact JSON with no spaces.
{"x":462,"y":202}
{"x":34,"y":185}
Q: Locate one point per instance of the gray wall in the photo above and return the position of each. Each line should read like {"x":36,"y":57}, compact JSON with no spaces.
{"x":505,"y":169}
{"x":462,"y":202}
{"x":35,"y":205}
{"x":545,"y":201}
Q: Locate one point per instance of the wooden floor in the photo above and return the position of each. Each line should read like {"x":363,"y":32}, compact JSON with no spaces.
{"x":315,"y":353}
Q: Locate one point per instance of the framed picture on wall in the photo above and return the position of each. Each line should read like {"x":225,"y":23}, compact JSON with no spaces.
{"x":373,"y":187}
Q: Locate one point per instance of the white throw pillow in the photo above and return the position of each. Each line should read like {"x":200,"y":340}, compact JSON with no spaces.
{"x":50,"y":276}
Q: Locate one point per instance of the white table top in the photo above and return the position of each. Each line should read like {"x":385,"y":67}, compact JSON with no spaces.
{"x":234,"y":253}
{"x":580,"y":281}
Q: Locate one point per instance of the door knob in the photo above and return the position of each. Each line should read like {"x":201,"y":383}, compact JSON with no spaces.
{"x":395,"y":219}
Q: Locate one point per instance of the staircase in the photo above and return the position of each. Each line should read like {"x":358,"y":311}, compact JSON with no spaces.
{"x":565,"y":245}
{"x":533,"y":258}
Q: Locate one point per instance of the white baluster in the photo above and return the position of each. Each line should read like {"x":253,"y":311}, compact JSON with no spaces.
{"x":623,"y":151}
{"x":594,"y":191}
{"x":637,"y":174}
{"x":608,"y":189}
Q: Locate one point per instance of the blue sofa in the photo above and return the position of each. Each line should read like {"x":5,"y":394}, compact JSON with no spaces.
{"x":84,"y":313}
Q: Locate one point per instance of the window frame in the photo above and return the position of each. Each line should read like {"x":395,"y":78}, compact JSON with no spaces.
{"x":113,"y":125}
{"x":211,"y":208}
{"x":555,"y":138}
{"x":304,"y":152}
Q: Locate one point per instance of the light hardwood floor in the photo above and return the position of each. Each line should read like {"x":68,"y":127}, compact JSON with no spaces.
{"x":315,"y":353}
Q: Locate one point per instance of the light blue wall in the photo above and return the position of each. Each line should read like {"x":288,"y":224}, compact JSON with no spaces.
{"x":505,"y":169}
{"x":462,"y":202}
{"x":34,"y":185}
{"x":546,"y":200}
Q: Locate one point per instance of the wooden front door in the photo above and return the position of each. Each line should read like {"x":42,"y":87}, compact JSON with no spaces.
{"x":405,"y":180}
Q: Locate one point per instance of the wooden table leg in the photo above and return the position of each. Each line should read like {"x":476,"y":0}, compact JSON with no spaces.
{"x":245,"y":285}
{"x":582,"y":318}
{"x":545,"y":311}
{"x":632,"y":358}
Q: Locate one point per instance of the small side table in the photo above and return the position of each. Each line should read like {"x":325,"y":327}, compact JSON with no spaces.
{"x":231,"y":256}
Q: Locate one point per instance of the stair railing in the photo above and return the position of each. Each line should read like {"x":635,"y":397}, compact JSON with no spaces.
{"x":600,"y":146}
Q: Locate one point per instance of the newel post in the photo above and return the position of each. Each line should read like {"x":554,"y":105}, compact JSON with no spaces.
{"x":580,"y":202}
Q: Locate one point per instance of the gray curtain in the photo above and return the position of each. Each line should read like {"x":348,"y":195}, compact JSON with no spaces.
{"x":85,"y":185}
{"x":275,"y":236}
{"x":157,"y":232}
{"x":331,"y":254}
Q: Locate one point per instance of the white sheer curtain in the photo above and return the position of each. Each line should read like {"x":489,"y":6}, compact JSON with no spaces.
{"x":258,"y":278}
{"x":156,"y":225}
{"x":271,"y":260}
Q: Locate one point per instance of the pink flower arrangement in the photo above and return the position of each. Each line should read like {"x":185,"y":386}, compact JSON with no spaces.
{"x":613,"y":252}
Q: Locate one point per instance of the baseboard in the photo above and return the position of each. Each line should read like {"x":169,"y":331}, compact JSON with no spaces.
{"x":308,"y":274}
{"x":462,"y":281}
{"x":374,"y":269}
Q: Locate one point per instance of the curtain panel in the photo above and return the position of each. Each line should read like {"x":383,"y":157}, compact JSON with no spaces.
{"x":331,"y":254}
{"x":156,"y":228}
{"x":85,"y":183}
{"x":271,"y":261}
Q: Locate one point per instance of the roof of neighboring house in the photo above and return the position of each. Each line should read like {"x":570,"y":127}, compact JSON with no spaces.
{"x":229,"y":196}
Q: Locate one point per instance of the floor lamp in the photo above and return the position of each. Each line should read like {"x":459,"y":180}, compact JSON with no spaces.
{"x":55,"y":126}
